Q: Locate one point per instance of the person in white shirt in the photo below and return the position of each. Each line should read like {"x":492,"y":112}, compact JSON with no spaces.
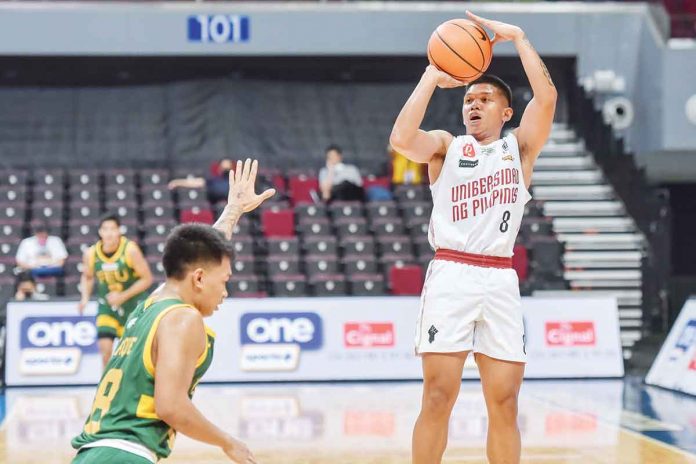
{"x":339,"y":181}
{"x":42,"y":254}
{"x":471,"y":300}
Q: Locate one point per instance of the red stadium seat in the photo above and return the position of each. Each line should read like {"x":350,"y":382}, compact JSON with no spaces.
{"x":278,"y":223}
{"x":371,"y":181}
{"x":520,"y":261}
{"x":196,"y":215}
{"x":406,"y":280}
{"x":301,"y":187}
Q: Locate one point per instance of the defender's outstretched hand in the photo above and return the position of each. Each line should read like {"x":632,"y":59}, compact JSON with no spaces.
{"x":239,"y":453}
{"x":503,"y":32}
{"x":242,"y":181}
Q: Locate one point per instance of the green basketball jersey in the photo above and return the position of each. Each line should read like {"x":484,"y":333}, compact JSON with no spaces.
{"x":124,"y":405}
{"x":114,"y":273}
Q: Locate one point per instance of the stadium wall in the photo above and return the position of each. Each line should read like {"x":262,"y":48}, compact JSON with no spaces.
{"x":627,"y":39}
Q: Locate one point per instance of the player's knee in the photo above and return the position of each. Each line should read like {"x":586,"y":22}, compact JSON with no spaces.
{"x":438,"y":399}
{"x":503,"y":405}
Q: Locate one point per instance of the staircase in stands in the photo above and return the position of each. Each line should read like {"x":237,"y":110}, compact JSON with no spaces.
{"x":603,"y":245}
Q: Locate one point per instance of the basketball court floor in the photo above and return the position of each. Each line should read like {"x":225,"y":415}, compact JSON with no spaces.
{"x":580,"y":422}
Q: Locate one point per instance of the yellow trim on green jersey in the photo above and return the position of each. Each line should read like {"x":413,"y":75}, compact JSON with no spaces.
{"x":147,"y":351}
{"x":146,"y":408}
{"x":115,"y":257}
{"x":129,"y":261}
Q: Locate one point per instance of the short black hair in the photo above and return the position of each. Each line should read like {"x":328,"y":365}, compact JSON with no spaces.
{"x":193,"y":243}
{"x":41,"y":226}
{"x":495,"y":81}
{"x":110,"y":217}
{"x":335,"y":148}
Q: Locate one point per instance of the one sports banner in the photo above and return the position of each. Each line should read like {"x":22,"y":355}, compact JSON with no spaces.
{"x":300,"y":339}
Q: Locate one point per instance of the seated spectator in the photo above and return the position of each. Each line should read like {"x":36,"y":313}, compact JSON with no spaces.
{"x":217,"y":183}
{"x":339,"y":181}
{"x":403,"y":170}
{"x":42,"y":254}
{"x":26,"y":288}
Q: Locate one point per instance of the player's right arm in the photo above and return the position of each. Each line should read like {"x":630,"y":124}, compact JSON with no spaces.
{"x":407,"y":137}
{"x":87,"y":278}
{"x":179,"y":342}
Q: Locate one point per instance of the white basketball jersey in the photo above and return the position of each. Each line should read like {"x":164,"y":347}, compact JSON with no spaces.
{"x":479,"y":198}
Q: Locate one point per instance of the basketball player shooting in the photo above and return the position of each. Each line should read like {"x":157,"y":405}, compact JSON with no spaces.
{"x":471,"y":299}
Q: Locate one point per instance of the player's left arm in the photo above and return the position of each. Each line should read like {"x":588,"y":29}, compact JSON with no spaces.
{"x":241,"y":198}
{"x":537,"y":118}
{"x":141,"y":268}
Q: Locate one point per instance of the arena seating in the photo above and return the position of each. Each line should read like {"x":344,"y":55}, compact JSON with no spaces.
{"x":290,"y":247}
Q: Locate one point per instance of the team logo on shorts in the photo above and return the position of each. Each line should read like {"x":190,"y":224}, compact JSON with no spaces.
{"x":431,"y":334}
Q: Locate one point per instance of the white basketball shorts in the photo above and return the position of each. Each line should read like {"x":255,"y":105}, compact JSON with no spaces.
{"x":471,"y":308}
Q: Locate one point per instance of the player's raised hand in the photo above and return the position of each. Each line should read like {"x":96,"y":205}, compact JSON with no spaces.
{"x":444,"y":80}
{"x":503,"y":32}
{"x":242,"y":181}
{"x":239,"y":453}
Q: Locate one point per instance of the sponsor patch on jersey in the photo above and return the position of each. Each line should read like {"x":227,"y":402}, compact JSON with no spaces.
{"x":487,"y":151}
{"x":508,"y":158}
{"x":468,"y":163}
{"x":468,"y":151}
{"x":110,"y":267}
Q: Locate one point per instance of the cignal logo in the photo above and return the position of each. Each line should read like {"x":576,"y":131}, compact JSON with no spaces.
{"x":570,"y":333}
{"x":59,"y":332}
{"x":302,"y":329}
{"x":368,"y":334}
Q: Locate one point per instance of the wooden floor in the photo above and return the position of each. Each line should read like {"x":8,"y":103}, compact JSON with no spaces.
{"x":561,"y":422}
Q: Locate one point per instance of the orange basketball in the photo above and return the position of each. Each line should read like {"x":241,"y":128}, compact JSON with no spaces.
{"x":461,"y":48}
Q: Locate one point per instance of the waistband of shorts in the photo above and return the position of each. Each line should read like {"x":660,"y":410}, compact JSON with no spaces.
{"x":498,"y":262}
{"x":124,"y":445}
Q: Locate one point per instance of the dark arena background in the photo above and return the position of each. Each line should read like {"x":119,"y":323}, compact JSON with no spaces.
{"x":129,"y":107}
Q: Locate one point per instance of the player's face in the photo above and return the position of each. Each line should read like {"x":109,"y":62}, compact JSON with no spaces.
{"x":109,"y":232}
{"x":485,"y":109}
{"x":214,"y":286}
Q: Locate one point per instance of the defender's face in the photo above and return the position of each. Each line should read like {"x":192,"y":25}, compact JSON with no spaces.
{"x":485,"y":109}
{"x":214,"y":286}
{"x":109,"y":233}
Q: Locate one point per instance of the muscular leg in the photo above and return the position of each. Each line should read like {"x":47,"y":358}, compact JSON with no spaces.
{"x":106,"y":347}
{"x":501,"y":381}
{"x":442,"y":377}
